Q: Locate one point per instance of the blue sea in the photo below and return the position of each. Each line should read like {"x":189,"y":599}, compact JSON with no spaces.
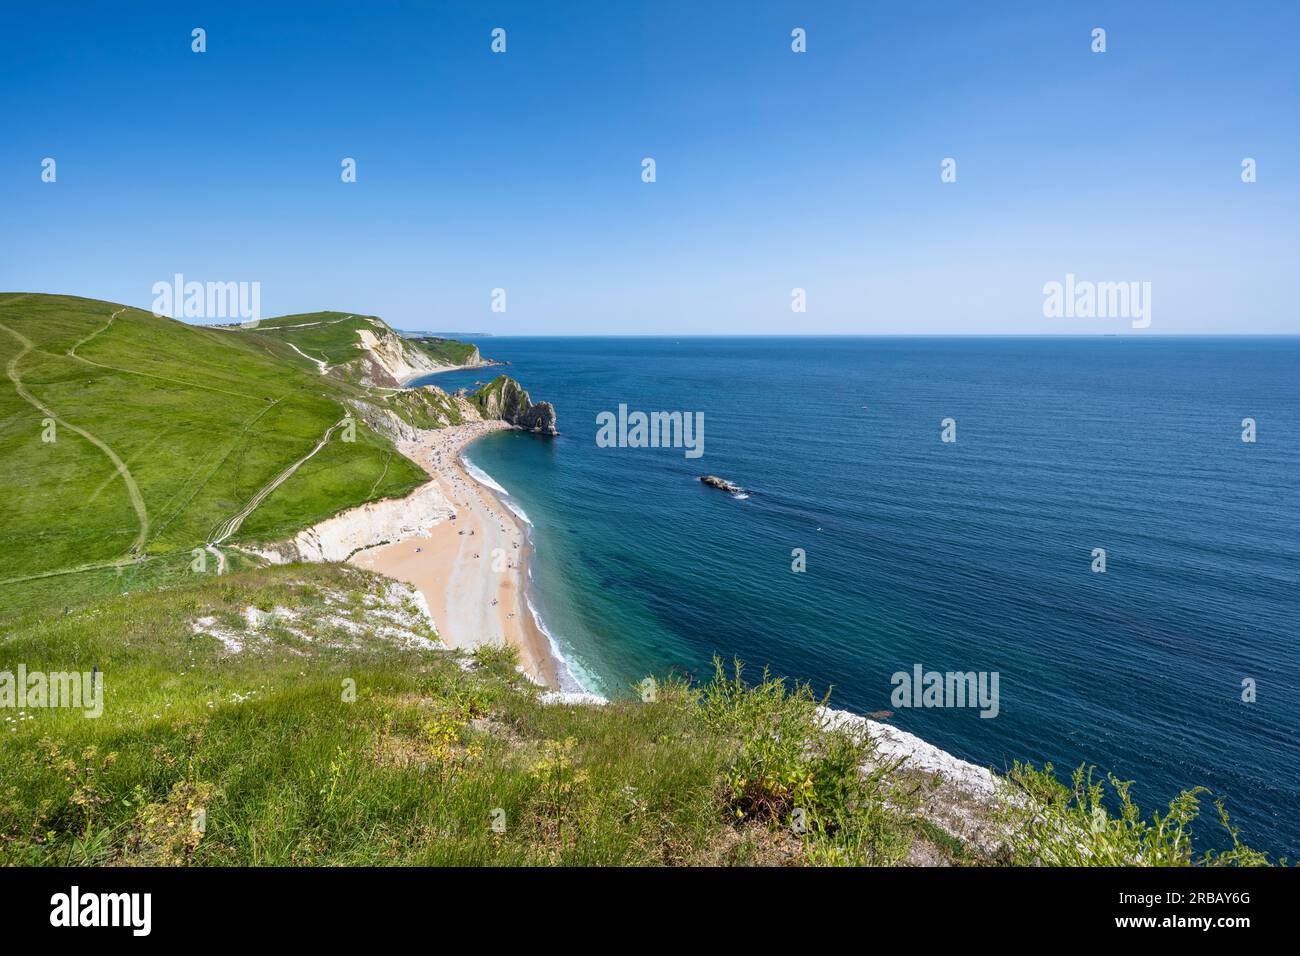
{"x":975,"y":555}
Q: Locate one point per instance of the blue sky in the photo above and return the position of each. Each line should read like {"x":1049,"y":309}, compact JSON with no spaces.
{"x":775,"y":170}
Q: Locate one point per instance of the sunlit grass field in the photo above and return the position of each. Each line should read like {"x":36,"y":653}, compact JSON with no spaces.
{"x":199,"y":418}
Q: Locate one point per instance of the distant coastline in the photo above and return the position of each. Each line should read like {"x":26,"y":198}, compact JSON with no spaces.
{"x":410,"y":382}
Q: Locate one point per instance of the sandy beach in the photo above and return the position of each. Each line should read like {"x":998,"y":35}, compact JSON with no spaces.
{"x":471,"y":569}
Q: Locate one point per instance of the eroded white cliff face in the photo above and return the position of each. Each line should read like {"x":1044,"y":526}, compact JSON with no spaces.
{"x":334,"y":539}
{"x":398,"y":360}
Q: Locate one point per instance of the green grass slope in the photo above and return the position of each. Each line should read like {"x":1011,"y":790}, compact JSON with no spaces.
{"x":255,"y":726}
{"x":160,"y":432}
{"x":324,"y":727}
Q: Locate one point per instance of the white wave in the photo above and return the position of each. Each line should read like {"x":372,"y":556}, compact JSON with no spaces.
{"x":573,"y":676}
{"x":567,"y":671}
{"x":481,"y":476}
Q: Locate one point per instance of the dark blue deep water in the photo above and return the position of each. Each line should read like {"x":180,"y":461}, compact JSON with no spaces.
{"x":968,"y":556}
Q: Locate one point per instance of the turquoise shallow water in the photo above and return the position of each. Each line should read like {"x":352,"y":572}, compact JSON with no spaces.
{"x":967,"y":556}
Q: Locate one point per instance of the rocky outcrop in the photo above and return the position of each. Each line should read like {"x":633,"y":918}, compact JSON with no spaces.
{"x":383,"y":421}
{"x":403,"y":414}
{"x":893,"y":743}
{"x":538,"y":418}
{"x":713,"y":481}
{"x":504,"y":398}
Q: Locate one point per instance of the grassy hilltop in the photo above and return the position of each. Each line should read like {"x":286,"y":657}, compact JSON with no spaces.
{"x":330,"y":337}
{"x":162,"y":431}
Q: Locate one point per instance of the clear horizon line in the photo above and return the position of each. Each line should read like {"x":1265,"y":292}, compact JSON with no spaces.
{"x":866,"y":335}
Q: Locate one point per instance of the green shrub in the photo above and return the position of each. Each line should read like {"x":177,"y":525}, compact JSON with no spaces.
{"x":1052,"y":825}
{"x":791,"y":771}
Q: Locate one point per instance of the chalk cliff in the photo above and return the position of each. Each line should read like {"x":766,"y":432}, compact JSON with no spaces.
{"x":390,"y":359}
{"x":393,"y":519}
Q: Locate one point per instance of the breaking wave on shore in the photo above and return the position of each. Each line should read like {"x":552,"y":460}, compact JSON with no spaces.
{"x":573,"y":677}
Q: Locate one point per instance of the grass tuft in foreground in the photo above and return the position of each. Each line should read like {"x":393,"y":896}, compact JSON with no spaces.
{"x":1055,"y":825}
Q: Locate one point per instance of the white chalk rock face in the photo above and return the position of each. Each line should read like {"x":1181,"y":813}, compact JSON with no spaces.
{"x":398,"y":360}
{"x":892,"y":743}
{"x":379,"y":522}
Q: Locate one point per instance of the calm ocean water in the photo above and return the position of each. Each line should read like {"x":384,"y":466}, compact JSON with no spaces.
{"x":968,"y":556}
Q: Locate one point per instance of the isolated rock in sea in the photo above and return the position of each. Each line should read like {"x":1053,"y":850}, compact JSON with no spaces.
{"x":504,"y":398}
{"x":713,"y":481}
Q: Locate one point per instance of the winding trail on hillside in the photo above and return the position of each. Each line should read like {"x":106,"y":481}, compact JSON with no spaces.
{"x":303,"y":325}
{"x":171,"y":513}
{"x":80,"y":342}
{"x":57,"y":572}
{"x":324,"y":367}
{"x":231,"y":525}
{"x":132,"y":489}
{"x":221,"y":558}
{"x":321,"y":365}
{"x":135,"y":456}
